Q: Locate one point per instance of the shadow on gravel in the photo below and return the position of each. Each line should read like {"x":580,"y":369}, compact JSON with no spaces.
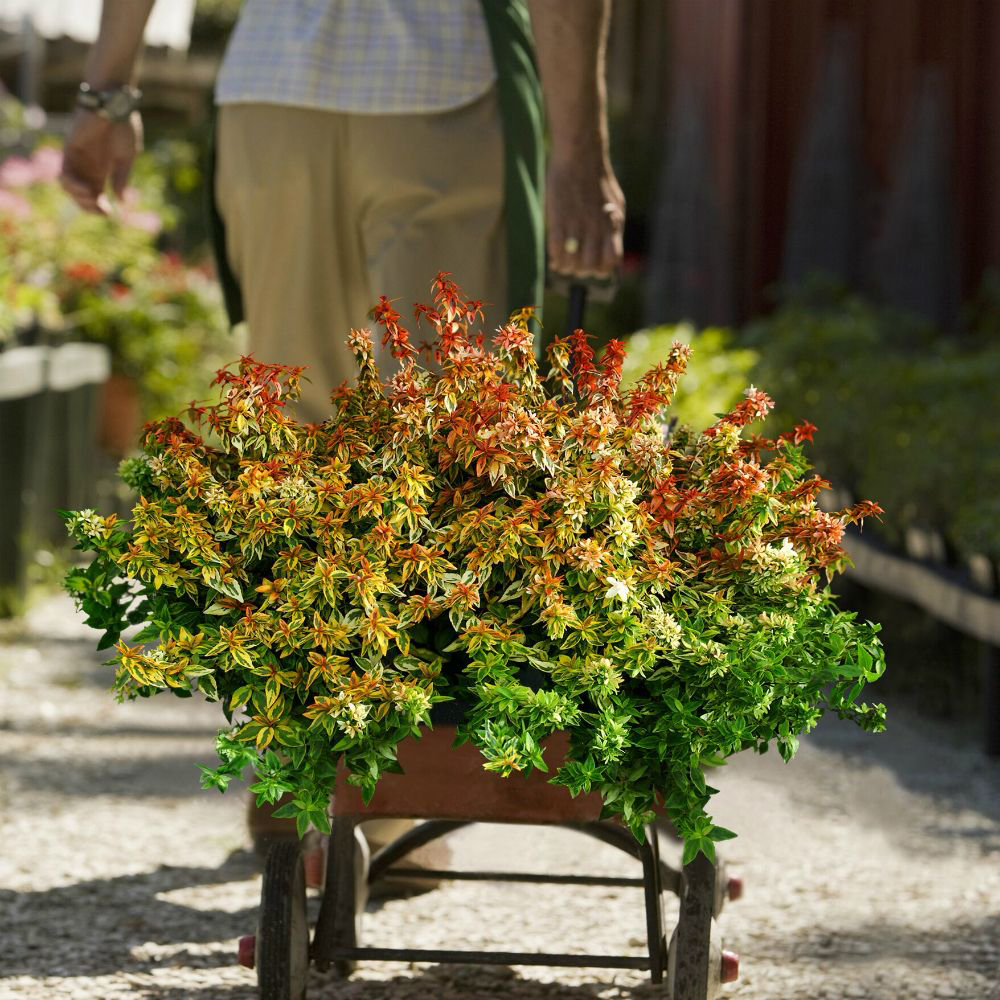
{"x":98,"y":732}
{"x":962,"y":945}
{"x":94,"y":926}
{"x":457,"y":982}
{"x":476,"y":982}
{"x":102,"y":927}
{"x":161,"y":776}
{"x":927,"y":758}
{"x":73,"y":662}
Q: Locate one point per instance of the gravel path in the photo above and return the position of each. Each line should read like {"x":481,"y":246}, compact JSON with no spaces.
{"x":872,"y":864}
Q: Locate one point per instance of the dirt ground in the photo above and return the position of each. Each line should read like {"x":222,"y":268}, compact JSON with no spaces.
{"x":871,"y":864}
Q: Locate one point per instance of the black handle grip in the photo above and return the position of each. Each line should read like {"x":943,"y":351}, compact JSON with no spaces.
{"x":576,"y":306}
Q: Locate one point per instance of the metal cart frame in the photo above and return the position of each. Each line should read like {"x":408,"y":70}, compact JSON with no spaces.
{"x":690,"y":963}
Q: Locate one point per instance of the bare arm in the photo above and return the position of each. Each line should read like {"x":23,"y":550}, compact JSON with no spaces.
{"x":585,"y":207}
{"x":99,"y":151}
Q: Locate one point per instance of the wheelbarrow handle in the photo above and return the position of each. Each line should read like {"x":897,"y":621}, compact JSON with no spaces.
{"x":576,"y":306}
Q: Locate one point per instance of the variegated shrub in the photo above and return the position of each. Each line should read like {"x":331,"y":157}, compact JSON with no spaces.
{"x":543,"y":550}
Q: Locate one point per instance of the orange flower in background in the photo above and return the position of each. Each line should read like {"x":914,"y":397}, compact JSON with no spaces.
{"x":84,"y":273}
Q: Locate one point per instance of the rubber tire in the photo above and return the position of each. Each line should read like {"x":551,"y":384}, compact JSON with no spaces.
{"x":283,"y":926}
{"x":714,"y":964}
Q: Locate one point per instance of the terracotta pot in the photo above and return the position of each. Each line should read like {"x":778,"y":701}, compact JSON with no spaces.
{"x":445,"y":782}
{"x":118,"y":427}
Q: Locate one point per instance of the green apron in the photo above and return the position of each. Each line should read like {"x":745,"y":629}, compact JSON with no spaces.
{"x":520,"y":98}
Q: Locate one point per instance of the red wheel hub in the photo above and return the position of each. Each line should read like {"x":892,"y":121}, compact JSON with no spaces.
{"x":730,"y":970}
{"x":246,"y":950}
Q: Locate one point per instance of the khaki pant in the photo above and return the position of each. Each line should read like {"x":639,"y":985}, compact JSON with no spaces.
{"x":326,"y":211}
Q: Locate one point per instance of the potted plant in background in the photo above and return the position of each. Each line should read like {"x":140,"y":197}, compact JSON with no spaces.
{"x":121,"y":330}
{"x":112,"y":284}
{"x":439,"y":534}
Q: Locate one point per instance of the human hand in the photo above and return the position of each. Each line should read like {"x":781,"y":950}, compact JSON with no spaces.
{"x":585,"y":218}
{"x":98,"y":152}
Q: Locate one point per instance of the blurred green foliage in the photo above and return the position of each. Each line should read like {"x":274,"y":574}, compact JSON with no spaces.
{"x":717,"y":374}
{"x":212,"y":22}
{"x":905,"y":411}
{"x":175,"y":166}
{"x":115,"y":280}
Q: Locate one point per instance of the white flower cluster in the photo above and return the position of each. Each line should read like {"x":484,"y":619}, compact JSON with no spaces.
{"x":777,"y":621}
{"x":664,"y":626}
{"x":354,"y":718}
{"x":588,"y":555}
{"x":778,"y":558}
{"x":622,"y":534}
{"x":216,"y":498}
{"x":610,"y":677}
{"x":297,"y":489}
{"x":785,"y":551}
{"x":645,"y":448}
{"x":87,"y":523}
{"x":411,"y":701}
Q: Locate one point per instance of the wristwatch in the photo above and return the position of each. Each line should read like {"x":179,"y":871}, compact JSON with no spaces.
{"x":115,"y":104}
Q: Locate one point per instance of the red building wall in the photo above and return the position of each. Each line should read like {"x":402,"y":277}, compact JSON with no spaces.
{"x":755,"y":66}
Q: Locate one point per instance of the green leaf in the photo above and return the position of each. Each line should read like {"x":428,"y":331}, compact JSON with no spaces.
{"x":721,"y":833}
{"x":214,"y":778}
{"x":108,"y":639}
{"x":208,"y":687}
{"x":696,"y":846}
{"x":231,"y":589}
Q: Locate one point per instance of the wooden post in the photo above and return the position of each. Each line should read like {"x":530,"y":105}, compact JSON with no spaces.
{"x":29,"y":76}
{"x":654,"y":905}
{"x":691,"y":976}
{"x":344,"y":896}
{"x":991,"y":700}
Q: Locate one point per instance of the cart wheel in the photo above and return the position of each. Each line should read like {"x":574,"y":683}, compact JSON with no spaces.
{"x":339,"y":921}
{"x":728,"y":888}
{"x":282,"y":952}
{"x":696,"y":964}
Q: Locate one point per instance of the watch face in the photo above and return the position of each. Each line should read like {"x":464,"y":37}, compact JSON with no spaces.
{"x":118,"y":105}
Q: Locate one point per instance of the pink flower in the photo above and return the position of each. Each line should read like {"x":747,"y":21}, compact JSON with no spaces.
{"x":16,"y":172}
{"x":47,"y":161}
{"x":130,"y":214}
{"x":148,"y":222}
{"x":43,"y":167}
{"x":14,"y":205}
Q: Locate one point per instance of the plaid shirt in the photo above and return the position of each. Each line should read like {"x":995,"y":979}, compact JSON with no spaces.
{"x":363,"y":56}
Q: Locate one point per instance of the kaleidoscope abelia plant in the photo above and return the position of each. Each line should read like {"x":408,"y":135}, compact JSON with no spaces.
{"x":541,"y":549}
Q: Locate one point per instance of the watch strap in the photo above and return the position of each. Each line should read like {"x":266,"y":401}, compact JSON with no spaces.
{"x":116,"y":104}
